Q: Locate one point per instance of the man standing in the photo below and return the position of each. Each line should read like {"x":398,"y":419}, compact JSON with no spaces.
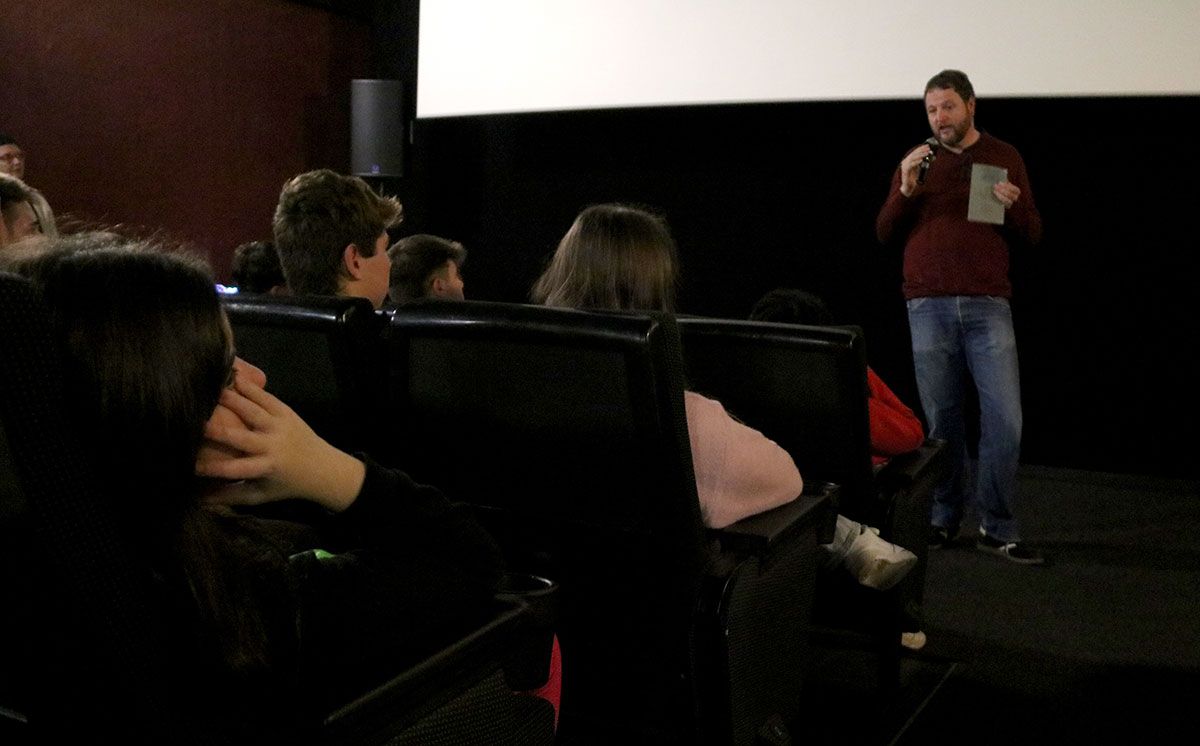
{"x":957,"y":290}
{"x":425,"y":266}
{"x":331,"y":235}
{"x":12,"y":162}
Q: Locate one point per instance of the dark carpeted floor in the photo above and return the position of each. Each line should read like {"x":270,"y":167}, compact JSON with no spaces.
{"x":1102,"y":644}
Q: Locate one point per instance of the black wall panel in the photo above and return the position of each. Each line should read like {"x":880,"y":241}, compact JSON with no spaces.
{"x":786,"y":194}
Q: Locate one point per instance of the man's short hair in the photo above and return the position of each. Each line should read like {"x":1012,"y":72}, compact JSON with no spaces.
{"x":415,"y":260}
{"x":7,"y":140}
{"x":319,"y":214}
{"x":792,"y":306}
{"x":955,"y":80}
{"x":256,"y":267}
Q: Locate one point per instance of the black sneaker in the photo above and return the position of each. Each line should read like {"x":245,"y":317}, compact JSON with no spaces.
{"x":1009,"y":550}
{"x":939,"y":537}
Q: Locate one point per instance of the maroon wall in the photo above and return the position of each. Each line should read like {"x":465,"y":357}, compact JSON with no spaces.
{"x":177,"y":116}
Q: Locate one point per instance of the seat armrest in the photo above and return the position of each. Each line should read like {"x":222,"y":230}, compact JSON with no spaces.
{"x":761,"y":533}
{"x":905,"y":470}
{"x":528,"y":664}
{"x":427,"y":685}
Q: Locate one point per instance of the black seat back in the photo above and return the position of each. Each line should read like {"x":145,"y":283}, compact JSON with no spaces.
{"x":321,"y":356}
{"x":804,"y":387}
{"x":567,"y":429}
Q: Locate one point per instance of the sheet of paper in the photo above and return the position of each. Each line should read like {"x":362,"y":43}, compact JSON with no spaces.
{"x":983,"y":206}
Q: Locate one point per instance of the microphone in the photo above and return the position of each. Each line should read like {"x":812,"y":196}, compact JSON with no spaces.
{"x":933,"y":144}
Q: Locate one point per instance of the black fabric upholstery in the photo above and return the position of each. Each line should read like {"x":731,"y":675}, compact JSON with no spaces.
{"x":806,"y":388}
{"x":321,"y":356}
{"x":487,"y":714}
{"x":567,"y":430}
{"x":460,"y":696}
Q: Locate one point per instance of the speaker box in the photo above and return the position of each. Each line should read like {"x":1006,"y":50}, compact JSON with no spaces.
{"x":377,"y":128}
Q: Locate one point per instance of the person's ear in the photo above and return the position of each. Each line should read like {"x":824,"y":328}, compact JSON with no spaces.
{"x":352,"y":261}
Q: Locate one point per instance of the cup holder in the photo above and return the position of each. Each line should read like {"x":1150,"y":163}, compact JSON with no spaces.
{"x":529,"y":663}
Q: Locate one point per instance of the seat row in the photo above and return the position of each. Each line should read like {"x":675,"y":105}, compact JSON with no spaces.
{"x":566,"y":430}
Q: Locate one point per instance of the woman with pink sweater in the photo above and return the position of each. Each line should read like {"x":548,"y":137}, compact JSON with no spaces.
{"x":621,"y":258}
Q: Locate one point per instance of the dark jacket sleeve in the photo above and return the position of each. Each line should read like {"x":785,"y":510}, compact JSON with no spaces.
{"x":405,"y":573}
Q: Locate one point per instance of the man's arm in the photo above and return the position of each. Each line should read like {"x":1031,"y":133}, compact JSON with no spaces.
{"x":1023,"y":222}
{"x":896,"y":215}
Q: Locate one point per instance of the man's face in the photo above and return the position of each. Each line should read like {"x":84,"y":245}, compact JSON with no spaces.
{"x":12,"y":161}
{"x":20,"y":221}
{"x":950,"y":117}
{"x":376,"y":271}
{"x":448,"y":282}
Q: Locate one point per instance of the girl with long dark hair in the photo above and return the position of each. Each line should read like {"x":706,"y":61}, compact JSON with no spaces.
{"x":187,"y":438}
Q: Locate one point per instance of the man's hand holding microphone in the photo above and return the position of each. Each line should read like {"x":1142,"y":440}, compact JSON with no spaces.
{"x":916,"y":165}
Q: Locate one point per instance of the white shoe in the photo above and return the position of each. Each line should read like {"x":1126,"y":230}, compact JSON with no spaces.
{"x":877,"y":563}
{"x":913,"y":640}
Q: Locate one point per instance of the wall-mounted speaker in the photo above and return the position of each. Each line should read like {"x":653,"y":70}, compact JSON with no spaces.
{"x":377,"y":131}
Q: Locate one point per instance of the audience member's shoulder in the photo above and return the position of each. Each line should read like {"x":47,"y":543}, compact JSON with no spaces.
{"x":698,"y":405}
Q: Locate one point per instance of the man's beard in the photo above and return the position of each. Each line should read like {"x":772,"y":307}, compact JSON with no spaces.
{"x":959,"y":133}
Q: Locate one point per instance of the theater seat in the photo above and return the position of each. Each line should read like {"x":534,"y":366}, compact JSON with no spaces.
{"x":567,"y":431}
{"x":321,"y":355}
{"x":806,"y":388}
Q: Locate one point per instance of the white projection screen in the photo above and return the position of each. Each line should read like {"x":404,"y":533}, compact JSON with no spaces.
{"x":500,"y":56}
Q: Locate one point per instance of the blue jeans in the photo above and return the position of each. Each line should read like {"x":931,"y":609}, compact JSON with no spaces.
{"x":951,"y":337}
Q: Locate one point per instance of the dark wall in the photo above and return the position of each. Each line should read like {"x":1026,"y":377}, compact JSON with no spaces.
{"x":187,"y":117}
{"x":177,"y":116}
{"x":786,"y":194}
